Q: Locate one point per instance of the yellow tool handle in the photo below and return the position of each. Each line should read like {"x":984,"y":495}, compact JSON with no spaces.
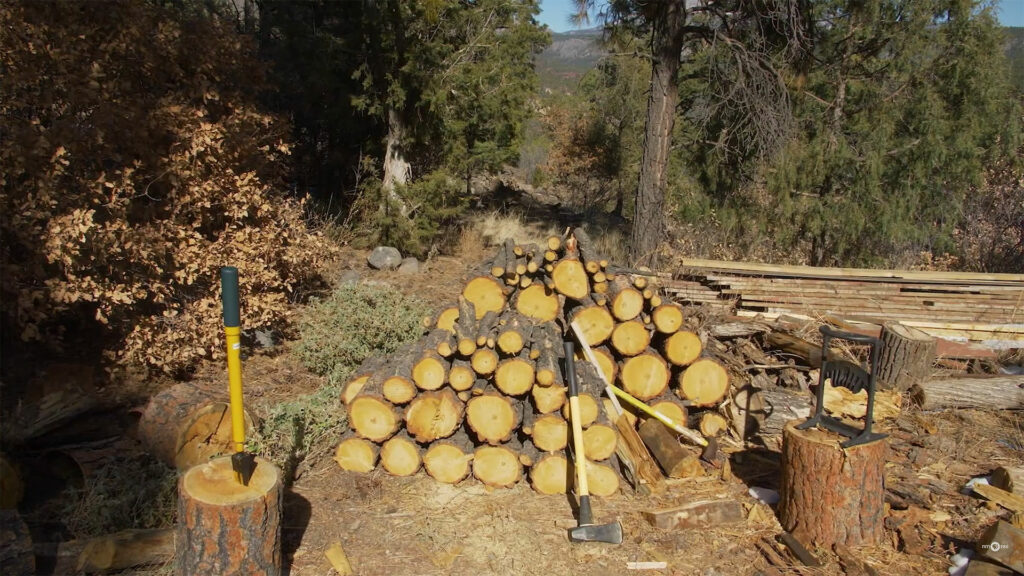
{"x":589,"y":354}
{"x":577,"y":442}
{"x":684,"y":431}
{"x":234,"y":334}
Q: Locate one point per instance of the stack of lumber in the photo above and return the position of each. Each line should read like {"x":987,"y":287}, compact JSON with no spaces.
{"x":482,"y":392}
{"x":958,"y":305}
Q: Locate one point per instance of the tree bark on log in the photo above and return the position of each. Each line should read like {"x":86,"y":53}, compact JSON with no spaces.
{"x":905,"y":357}
{"x":832,"y":495}
{"x":675,"y":460}
{"x":188,"y":423}
{"x":1009,"y":478}
{"x":225,"y":527}
{"x":988,"y":392}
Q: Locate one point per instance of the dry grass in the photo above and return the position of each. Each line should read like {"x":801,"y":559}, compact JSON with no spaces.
{"x":488,"y":230}
{"x":494,"y":227}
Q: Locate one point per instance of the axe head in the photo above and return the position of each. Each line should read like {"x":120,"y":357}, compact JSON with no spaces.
{"x":610,"y":533}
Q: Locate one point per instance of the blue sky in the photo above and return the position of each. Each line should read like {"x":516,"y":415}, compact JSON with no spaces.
{"x":555,"y":13}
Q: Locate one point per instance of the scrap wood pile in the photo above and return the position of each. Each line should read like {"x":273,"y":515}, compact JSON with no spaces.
{"x":483,"y":393}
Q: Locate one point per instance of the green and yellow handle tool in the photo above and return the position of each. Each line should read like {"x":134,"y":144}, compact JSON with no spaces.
{"x":242,"y":462}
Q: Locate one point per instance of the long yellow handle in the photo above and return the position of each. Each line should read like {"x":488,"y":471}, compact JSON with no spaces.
{"x":234,"y":334}
{"x":577,"y":442}
{"x":689,"y":434}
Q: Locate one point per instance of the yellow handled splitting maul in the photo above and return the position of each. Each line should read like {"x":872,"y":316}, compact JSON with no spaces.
{"x":242,"y":462}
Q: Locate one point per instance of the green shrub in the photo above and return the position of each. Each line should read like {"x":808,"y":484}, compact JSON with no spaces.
{"x":304,"y":428}
{"x":355,"y":321}
{"x":434,"y":204}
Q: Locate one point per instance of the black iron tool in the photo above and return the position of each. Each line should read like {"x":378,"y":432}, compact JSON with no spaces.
{"x":851,"y":376}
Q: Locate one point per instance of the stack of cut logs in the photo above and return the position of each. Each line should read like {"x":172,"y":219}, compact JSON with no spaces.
{"x":482,"y":392}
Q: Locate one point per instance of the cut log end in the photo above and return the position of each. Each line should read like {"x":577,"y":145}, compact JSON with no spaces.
{"x":630,"y":338}
{"x":667,"y":318}
{"x":497,"y":466}
{"x":434,"y":415}
{"x":492,"y":418}
{"x":550,"y":433}
{"x":537,"y":302}
{"x":400,"y":456}
{"x":486,"y":294}
{"x":596,"y":323}
{"x":571,"y":279}
{"x":398,"y":390}
{"x":429,"y":373}
{"x":704,"y":383}
{"x":356,"y":455}
{"x":372,"y":418}
{"x":446,"y":463}
{"x":484,"y":361}
{"x":514,"y":376}
{"x":682,"y":348}
{"x":599,"y":441}
{"x":589,"y":410}
{"x":644,"y":376}
{"x":550,"y":474}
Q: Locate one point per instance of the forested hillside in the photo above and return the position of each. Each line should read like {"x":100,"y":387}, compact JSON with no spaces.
{"x":151,"y":140}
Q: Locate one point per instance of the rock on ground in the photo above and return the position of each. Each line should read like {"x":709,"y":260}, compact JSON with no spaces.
{"x":409,"y":265}
{"x":384,"y":258}
{"x":349,"y":277}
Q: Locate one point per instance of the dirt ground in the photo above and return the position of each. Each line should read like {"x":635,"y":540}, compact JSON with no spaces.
{"x":417,"y":526}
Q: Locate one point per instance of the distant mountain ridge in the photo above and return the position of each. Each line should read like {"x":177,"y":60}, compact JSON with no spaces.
{"x":569,"y":56}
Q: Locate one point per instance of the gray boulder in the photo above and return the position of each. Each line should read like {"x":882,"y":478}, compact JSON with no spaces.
{"x":349,"y":277}
{"x":384,"y":258}
{"x":409,"y":265}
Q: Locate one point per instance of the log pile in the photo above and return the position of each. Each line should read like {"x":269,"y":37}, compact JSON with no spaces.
{"x":482,"y":391}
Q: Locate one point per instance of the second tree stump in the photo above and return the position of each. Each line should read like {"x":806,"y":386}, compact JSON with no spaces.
{"x":831,"y":495}
{"x":225,"y":527}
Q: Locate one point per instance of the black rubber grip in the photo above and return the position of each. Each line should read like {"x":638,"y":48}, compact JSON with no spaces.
{"x":229,"y":296}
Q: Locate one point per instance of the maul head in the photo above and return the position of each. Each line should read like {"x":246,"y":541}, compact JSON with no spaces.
{"x":610,"y":533}
{"x":244,"y":464}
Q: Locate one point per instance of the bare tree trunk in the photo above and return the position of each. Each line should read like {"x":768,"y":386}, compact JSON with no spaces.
{"x":397,"y":170}
{"x":648,"y":211}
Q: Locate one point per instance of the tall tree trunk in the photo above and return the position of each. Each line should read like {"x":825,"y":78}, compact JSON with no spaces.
{"x":397,"y":170}
{"x":669,"y":18}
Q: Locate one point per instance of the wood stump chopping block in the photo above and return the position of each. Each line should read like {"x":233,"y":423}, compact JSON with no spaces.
{"x":831,"y":495}
{"x":225,"y":527}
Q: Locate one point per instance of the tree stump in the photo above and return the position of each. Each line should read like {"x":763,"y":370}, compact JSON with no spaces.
{"x":225,"y":527}
{"x":830,"y":495}
{"x":187,"y":424}
{"x":905,"y":358}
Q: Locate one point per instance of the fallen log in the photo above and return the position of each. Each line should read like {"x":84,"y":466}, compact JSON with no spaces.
{"x":109,"y":553}
{"x":905,"y":357}
{"x":188,"y":423}
{"x":1004,"y":392}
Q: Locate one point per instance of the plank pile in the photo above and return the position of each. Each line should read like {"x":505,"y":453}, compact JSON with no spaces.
{"x":482,"y":391}
{"x":949,"y":304}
